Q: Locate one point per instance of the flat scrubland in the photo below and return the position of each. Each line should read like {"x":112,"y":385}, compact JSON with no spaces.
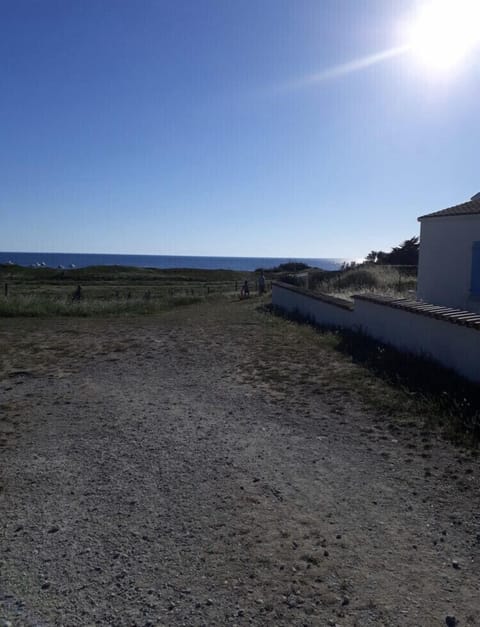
{"x":216,"y":464}
{"x":110,"y":290}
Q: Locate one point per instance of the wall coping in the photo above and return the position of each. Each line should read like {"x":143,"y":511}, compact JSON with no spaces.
{"x":342,"y":303}
{"x":439,"y":312}
{"x":447,"y":314}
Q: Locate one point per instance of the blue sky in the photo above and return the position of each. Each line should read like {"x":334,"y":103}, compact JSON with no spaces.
{"x":192,"y":127}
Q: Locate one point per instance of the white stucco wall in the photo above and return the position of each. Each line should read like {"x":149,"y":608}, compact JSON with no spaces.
{"x":454,"y":346}
{"x":445,"y":260}
{"x":291,"y":300}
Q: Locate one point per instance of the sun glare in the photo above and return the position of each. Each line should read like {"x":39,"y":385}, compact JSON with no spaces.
{"x":445,"y":32}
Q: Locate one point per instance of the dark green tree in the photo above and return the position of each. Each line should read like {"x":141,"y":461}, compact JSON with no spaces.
{"x":406,"y":254}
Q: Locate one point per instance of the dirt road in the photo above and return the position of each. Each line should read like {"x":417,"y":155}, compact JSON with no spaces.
{"x":210,"y":467}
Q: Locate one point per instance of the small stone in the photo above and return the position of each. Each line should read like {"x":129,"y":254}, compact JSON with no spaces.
{"x":53,"y":529}
{"x":326,"y":553}
{"x":451,"y":621}
{"x":209,"y":602}
{"x":45,"y":585}
{"x":291,"y":601}
{"x":455,"y":564}
{"x":345,"y":601}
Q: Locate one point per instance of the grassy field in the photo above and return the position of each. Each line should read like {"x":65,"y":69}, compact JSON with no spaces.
{"x":110,"y":290}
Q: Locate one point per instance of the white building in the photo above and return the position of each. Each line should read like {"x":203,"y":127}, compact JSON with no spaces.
{"x":449,"y":261}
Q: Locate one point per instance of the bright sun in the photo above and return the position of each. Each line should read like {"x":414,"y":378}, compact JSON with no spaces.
{"x":445,"y":32}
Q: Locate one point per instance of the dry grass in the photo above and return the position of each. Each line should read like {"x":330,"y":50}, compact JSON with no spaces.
{"x":368,"y":278}
{"x":107,"y":291}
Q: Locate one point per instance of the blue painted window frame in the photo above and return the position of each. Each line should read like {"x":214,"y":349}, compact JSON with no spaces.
{"x":475,"y":275}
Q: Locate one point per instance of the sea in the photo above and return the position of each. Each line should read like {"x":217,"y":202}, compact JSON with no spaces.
{"x":83,"y":260}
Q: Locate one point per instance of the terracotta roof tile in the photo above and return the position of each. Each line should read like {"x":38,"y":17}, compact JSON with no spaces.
{"x":466,"y":208}
{"x":456,"y":316}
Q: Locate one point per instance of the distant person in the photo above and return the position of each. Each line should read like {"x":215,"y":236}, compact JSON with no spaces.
{"x":261,"y":284}
{"x":77,"y":294}
{"x":245,"y":293}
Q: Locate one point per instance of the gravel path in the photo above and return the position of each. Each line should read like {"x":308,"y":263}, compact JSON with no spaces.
{"x":153,"y":475}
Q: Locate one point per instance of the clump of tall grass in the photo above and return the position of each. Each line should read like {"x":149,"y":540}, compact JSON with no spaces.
{"x":380,"y":279}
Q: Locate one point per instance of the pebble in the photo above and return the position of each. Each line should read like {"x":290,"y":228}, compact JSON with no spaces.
{"x":455,"y":564}
{"x":451,"y":621}
{"x":291,"y":601}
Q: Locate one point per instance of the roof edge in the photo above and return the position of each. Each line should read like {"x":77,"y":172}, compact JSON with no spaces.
{"x":429,"y":216}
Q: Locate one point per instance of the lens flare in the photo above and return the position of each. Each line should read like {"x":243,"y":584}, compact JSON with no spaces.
{"x":444,"y":33}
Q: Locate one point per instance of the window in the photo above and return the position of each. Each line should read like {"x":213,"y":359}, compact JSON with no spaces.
{"x":475,"y":276}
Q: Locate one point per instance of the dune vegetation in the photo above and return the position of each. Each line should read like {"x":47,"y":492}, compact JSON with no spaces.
{"x":391,"y":273}
{"x":369,"y":277}
{"x":111,"y":290}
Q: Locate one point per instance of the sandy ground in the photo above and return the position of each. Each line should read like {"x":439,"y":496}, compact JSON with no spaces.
{"x":159,"y":471}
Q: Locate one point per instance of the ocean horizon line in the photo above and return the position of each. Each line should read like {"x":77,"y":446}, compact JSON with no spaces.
{"x":63,"y":252}
{"x":202,"y":262}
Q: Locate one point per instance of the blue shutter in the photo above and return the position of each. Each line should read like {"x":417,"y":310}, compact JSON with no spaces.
{"x":475,"y":279}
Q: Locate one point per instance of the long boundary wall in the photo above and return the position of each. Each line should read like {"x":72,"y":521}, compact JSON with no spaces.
{"x":448,"y":336}
{"x":321,"y":309}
